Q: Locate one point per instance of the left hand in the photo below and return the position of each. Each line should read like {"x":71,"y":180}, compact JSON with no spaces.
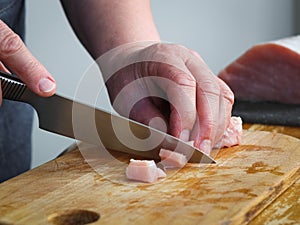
{"x":156,"y":82}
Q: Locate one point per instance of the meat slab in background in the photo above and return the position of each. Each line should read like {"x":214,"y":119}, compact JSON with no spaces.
{"x":267,"y":72}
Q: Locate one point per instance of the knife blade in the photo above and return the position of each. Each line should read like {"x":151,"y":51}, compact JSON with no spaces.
{"x":82,"y":122}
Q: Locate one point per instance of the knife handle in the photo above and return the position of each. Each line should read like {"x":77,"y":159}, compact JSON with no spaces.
{"x":12,"y":87}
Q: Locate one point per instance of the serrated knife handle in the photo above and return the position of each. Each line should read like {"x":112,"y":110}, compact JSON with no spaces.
{"x":12,"y":87}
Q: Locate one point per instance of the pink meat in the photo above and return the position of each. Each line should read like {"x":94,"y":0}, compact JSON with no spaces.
{"x":144,"y":170}
{"x":147,"y":171}
{"x":267,"y":72}
{"x":233,"y":134}
{"x":171,"y":159}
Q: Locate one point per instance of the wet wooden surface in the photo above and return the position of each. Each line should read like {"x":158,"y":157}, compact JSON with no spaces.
{"x":286,"y":208}
{"x":253,"y":180}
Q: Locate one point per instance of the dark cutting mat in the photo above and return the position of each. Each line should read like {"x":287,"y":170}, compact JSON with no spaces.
{"x":267,"y":113}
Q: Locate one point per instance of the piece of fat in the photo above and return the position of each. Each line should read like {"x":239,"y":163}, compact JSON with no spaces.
{"x":144,"y":170}
{"x":171,"y":159}
{"x":233,"y":134}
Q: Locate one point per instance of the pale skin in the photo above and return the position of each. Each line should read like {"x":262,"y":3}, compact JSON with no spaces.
{"x":102,"y":25}
{"x":15,"y":55}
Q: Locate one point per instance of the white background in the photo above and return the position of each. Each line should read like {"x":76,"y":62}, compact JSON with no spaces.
{"x":220,"y":30}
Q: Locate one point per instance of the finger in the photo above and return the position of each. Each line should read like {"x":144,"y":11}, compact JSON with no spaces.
{"x":180,"y":89}
{"x":158,"y":97}
{"x":226,"y":103}
{"x":206,"y":135}
{"x":226,"y":92}
{"x":3,"y":68}
{"x":15,"y":55}
{"x":208,"y":104}
{"x":208,"y":108}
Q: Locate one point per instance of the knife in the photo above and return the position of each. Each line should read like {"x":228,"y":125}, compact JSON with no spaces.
{"x":82,"y":122}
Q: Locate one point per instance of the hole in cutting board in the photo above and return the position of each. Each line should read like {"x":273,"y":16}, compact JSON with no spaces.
{"x":74,"y":217}
{"x":5,"y":223}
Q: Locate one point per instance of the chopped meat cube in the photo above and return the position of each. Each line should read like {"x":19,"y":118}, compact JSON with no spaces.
{"x":144,"y":170}
{"x":233,"y":134}
{"x":147,"y":171}
{"x":172,"y":159}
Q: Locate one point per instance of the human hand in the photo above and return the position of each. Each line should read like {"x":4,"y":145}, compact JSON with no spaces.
{"x":15,"y":56}
{"x":168,"y":87}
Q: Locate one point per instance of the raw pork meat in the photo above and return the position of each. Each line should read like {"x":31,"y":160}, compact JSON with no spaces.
{"x":233,"y":134}
{"x":147,"y":171}
{"x":267,"y":72}
{"x":171,"y":159}
{"x":144,"y":170}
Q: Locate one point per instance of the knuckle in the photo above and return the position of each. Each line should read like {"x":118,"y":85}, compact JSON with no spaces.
{"x":228,"y":94}
{"x":210,"y":123}
{"x":190,"y":117}
{"x":183,"y":79}
{"x":10,"y":42}
{"x":196,"y":54}
{"x":207,"y":127}
{"x":210,"y":86}
{"x":180,"y":76}
{"x":169,"y":49}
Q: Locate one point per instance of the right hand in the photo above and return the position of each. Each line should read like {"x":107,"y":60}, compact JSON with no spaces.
{"x":15,"y":56}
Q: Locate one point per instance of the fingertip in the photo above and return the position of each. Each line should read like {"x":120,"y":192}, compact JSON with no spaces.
{"x":181,"y":125}
{"x":205,"y":146}
{"x":47,"y":86}
{"x":185,"y":135}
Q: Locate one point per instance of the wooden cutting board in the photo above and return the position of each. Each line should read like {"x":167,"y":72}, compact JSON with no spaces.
{"x":244,"y":181}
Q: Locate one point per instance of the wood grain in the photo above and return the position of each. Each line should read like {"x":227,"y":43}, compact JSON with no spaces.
{"x":245,"y":180}
{"x":288,"y":130}
{"x":286,"y":208}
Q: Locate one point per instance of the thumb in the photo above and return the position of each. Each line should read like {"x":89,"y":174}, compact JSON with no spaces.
{"x":15,"y":55}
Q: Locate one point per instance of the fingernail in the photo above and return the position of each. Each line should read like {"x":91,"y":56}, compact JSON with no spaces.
{"x":46,"y":85}
{"x":205,"y":146}
{"x":185,"y":135}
